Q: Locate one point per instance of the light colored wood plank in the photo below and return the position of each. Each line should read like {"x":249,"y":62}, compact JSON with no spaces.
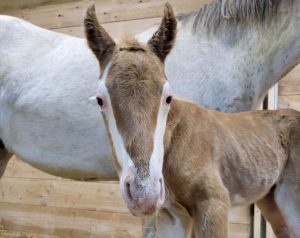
{"x":115,"y":29}
{"x":269,"y":231}
{"x":71,"y":14}
{"x":239,"y":231}
{"x":21,"y":4}
{"x":68,"y":222}
{"x":19,"y":234}
{"x":98,"y":196}
{"x":16,"y":168}
{"x":290,"y":84}
{"x":292,"y":101}
{"x":256,"y":222}
{"x":240,"y":215}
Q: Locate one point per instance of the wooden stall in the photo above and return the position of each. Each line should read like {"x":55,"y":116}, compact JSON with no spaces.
{"x":35,"y":204}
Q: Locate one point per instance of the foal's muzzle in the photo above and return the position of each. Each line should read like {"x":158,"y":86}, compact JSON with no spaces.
{"x":143,"y":196}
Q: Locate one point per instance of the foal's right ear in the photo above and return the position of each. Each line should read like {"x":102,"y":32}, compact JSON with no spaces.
{"x":163,"y":39}
{"x":98,"y":39}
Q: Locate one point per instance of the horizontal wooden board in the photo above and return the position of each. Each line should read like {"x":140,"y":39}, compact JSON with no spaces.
{"x":68,"y":222}
{"x":239,"y":231}
{"x":236,"y":231}
{"x":116,"y":29}
{"x":16,"y":168}
{"x":75,"y":223}
{"x":22,"y":234}
{"x":292,"y":101}
{"x":98,"y":196}
{"x":21,"y":4}
{"x":71,"y":14}
{"x":290,"y":84}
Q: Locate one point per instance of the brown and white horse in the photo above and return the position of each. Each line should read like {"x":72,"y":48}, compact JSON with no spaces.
{"x":190,"y":162}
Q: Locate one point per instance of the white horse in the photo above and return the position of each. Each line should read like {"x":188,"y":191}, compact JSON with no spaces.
{"x":226,"y":56}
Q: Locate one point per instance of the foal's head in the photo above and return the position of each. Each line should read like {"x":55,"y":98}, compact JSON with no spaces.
{"x":134,"y":98}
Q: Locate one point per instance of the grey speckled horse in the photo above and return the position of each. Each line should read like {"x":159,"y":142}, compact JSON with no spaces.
{"x":226,"y":56}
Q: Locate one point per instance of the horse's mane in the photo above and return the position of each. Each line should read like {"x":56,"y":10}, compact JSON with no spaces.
{"x":232,"y":12}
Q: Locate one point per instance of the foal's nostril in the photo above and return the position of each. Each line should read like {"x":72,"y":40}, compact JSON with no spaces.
{"x":128,"y":191}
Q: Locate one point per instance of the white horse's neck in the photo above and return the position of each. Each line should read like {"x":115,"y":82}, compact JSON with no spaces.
{"x":233,"y":67}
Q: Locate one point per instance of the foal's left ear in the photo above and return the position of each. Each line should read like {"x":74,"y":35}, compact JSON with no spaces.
{"x":98,"y":39}
{"x":163,"y":39}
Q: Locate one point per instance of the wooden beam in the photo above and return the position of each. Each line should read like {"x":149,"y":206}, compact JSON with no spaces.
{"x":68,"y":222}
{"x":21,"y":4}
{"x":116,"y":29}
{"x":256,"y":222}
{"x":71,"y":14}
{"x":292,"y":101}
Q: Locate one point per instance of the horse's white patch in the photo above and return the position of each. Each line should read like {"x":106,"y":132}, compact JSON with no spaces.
{"x":156,"y":159}
{"x":105,"y":72}
{"x":122,"y":156}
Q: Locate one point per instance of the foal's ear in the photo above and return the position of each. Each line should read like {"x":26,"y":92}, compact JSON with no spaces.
{"x":98,"y":39}
{"x":163,"y":39}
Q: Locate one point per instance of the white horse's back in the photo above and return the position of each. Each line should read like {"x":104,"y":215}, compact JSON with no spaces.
{"x":47,"y":78}
{"x":46,"y":81}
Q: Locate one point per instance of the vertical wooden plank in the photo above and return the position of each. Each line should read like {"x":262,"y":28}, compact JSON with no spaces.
{"x":269,"y":232}
{"x":256,"y":222}
{"x":271,"y":105}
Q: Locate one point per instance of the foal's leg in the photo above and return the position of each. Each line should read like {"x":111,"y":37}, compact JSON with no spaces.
{"x":174,"y":222}
{"x":211,"y":210}
{"x":272,"y":214}
{"x":149,"y":227}
{"x":4,"y":157}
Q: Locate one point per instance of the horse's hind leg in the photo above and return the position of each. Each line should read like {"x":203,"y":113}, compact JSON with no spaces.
{"x":287,"y":192}
{"x":272,"y":214}
{"x":4,"y":157}
{"x":288,"y":200}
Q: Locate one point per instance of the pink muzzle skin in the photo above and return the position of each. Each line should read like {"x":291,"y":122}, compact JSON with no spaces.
{"x":143,"y":197}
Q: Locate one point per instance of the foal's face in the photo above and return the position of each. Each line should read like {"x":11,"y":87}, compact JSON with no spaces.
{"x":135,"y":98}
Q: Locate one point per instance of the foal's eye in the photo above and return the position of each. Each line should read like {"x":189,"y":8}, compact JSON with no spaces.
{"x":99,"y":101}
{"x":169,"y":100}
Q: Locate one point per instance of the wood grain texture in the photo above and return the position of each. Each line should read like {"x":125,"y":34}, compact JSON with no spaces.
{"x":22,"y":4}
{"x":290,"y":84}
{"x":116,"y":29}
{"x":291,"y":101}
{"x":34,"y":202}
{"x":71,"y":14}
{"x":68,"y":222}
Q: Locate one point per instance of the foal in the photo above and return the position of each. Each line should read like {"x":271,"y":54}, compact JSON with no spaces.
{"x":175,"y":155}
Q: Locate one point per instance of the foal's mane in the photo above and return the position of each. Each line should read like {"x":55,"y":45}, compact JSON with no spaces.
{"x":231,"y":12}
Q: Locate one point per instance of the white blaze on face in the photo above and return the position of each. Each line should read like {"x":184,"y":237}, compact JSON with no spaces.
{"x":122,"y":156}
{"x":156,"y":159}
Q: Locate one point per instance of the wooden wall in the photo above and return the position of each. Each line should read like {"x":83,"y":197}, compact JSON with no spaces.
{"x":36,"y":204}
{"x":289,"y":90}
{"x":40,"y":205}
